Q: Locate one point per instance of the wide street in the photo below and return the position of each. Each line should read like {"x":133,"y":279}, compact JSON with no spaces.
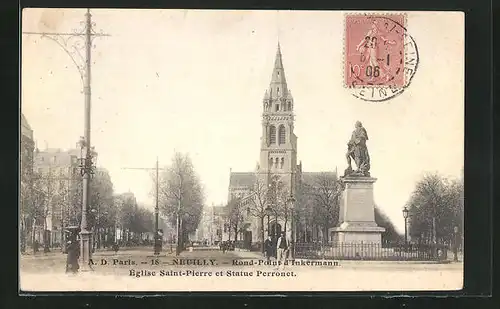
{"x":139,"y":270}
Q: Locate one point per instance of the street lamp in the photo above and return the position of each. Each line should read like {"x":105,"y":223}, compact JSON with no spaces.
{"x":405,"y":216}
{"x":292,"y":200}
{"x":269,"y":211}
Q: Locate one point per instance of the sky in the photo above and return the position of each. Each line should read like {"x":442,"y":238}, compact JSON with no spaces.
{"x":193,"y":81}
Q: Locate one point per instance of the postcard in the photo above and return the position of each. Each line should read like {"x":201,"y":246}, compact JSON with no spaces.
{"x":258,"y":150}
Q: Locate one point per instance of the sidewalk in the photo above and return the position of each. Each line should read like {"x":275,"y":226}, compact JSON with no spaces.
{"x":56,"y":253}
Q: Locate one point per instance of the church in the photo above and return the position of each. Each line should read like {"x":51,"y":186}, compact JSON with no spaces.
{"x":278,"y":176}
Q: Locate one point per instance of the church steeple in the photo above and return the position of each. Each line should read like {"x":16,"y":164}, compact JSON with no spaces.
{"x":278,"y":87}
{"x":278,"y":97}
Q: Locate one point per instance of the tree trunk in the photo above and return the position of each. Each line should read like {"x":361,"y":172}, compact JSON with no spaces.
{"x":33,"y":230}
{"x":262,"y":233}
{"x":23,"y":234}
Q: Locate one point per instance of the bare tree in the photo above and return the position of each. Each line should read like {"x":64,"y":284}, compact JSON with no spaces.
{"x":325,"y":191}
{"x":181,"y":196}
{"x":235,"y":216}
{"x":44,"y":193}
{"x":436,"y":207}
{"x":283,"y":203}
{"x":303,"y":211}
{"x":259,"y":201}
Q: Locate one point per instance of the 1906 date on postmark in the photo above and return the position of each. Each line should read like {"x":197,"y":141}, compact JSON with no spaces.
{"x":380,"y":56}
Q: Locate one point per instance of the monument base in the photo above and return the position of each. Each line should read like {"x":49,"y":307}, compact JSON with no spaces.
{"x":357,"y":233}
{"x":357,"y":213}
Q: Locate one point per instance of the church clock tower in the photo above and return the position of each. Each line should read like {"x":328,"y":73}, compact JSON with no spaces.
{"x":278,"y":148}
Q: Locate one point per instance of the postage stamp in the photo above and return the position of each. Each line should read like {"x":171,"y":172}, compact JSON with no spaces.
{"x":379,"y":55}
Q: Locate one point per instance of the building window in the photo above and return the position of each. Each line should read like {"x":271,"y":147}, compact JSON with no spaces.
{"x":289,"y":106}
{"x":272,"y":135}
{"x":282,"y":135}
{"x":277,"y":107}
{"x":276,"y":162}
{"x":282,"y":162}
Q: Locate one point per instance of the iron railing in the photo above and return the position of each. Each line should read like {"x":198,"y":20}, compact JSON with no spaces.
{"x":371,"y":251}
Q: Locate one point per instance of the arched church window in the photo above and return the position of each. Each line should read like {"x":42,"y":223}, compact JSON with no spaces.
{"x":277,"y":107}
{"x":282,"y":162}
{"x":271,"y":162}
{"x":272,"y":135}
{"x":276,"y":162}
{"x":278,"y":89}
{"x":289,"y":106}
{"x":282,"y":135}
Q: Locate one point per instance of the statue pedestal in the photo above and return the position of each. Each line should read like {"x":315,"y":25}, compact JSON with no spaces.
{"x":357,"y":213}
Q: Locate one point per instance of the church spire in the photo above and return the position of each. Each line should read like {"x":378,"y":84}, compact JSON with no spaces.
{"x":278,"y":87}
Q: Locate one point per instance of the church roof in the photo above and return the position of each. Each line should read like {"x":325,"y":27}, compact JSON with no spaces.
{"x":237,"y":179}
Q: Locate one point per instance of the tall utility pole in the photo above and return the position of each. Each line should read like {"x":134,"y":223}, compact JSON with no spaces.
{"x":157,"y":240}
{"x":83,"y":64}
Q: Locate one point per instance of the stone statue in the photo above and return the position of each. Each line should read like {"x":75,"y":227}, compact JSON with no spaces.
{"x":357,"y":150}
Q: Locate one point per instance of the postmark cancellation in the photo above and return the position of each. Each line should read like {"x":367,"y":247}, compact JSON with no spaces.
{"x":380,"y":57}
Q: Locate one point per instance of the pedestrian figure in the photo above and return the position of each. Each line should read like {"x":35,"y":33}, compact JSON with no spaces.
{"x":268,"y":247}
{"x":224,"y":247}
{"x":72,"y":265}
{"x":116,"y":247}
{"x":36,"y":246}
{"x":282,"y":249}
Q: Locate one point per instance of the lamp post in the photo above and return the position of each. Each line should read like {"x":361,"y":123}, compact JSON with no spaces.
{"x":405,"y":216}
{"x":80,"y":54}
{"x":87,"y":170}
{"x":269,"y":211}
{"x":292,"y":200}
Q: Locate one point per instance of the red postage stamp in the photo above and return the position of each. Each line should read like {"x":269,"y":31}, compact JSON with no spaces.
{"x":374,"y":50}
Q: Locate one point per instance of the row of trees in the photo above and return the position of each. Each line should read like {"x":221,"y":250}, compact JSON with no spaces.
{"x":54,"y":197}
{"x":315,"y":207}
{"x":181,"y":197}
{"x":133,"y":220}
{"x":436,"y":207}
